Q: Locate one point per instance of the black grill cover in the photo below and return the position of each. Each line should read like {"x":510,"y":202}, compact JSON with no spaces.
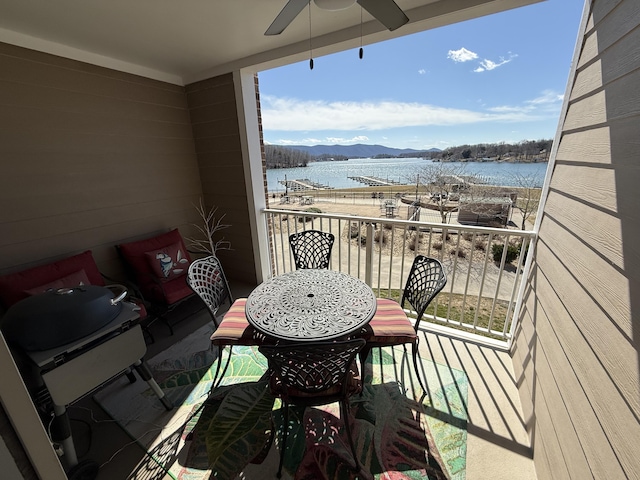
{"x":59,"y":317}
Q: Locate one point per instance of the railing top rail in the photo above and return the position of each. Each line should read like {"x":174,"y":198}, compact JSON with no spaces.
{"x":456,"y":226}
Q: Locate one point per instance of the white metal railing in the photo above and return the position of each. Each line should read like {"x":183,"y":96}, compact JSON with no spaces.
{"x":481,"y":294}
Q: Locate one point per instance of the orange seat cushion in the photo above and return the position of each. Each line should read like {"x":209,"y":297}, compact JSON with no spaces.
{"x":234,"y":329}
{"x":390,"y":325}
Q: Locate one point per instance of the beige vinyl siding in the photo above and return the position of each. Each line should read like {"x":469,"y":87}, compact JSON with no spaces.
{"x":90,"y":157}
{"x":216,"y":131}
{"x":576,"y":348}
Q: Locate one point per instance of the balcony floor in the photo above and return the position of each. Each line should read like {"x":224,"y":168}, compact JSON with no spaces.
{"x":497,"y":443}
{"x":498,"y":446}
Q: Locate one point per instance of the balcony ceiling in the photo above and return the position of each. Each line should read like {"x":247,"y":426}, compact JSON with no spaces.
{"x":182,"y":41}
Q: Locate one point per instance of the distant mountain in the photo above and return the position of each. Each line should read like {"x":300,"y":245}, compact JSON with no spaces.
{"x":359,"y":150}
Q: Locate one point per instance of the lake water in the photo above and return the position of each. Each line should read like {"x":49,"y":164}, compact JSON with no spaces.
{"x":402,"y":170}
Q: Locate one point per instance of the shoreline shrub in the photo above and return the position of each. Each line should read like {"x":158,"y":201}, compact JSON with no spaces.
{"x":512,"y":252}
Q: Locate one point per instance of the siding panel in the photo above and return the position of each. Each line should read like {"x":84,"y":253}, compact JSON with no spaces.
{"x":575,"y":341}
{"x":595,"y":295}
{"x":556,"y":423}
{"x":613,"y":21}
{"x":107,"y":155}
{"x":38,"y":69}
{"x":580,"y":218}
{"x":216,"y":131}
{"x":593,"y":148}
{"x":587,"y":80}
{"x":524,"y":356}
{"x":56,"y":99}
{"x":589,"y":49}
{"x":34,"y":120}
{"x":596,"y":186}
{"x":587,"y":112}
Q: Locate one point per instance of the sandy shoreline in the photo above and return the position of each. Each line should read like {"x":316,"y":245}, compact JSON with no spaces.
{"x":359,"y":202}
{"x":356,"y":205}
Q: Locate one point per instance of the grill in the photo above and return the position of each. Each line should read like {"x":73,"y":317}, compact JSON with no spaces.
{"x":74,"y":340}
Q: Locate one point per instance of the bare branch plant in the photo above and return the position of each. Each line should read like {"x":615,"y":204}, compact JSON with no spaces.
{"x":210,"y":227}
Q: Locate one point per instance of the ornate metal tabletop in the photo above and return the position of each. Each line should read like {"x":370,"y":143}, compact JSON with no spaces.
{"x":310,"y":304}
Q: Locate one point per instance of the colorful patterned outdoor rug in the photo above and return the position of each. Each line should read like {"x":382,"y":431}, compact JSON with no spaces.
{"x":397,"y":434}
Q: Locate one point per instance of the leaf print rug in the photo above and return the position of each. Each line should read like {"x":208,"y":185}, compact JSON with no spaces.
{"x":234,"y":430}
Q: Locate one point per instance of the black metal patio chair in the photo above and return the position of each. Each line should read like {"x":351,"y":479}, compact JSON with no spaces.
{"x":312,"y":374}
{"x":390,"y":325}
{"x":207,"y":279}
{"x":311,"y":248}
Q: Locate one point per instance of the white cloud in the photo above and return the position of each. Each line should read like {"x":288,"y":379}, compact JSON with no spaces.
{"x":329,"y":140}
{"x":346,"y":141}
{"x":422,"y":71}
{"x":548,"y":103}
{"x":487,"y":65}
{"x":305,"y":141}
{"x":509,"y":109}
{"x":547,"y":97}
{"x":462,"y":55}
{"x":291,"y":115}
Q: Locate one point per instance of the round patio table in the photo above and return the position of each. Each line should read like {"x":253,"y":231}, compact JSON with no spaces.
{"x":310,"y":305}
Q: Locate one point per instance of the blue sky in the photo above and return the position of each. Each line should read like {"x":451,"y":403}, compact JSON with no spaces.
{"x":499,"y":78}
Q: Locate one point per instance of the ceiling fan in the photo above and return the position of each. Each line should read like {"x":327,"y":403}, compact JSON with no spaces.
{"x":386,"y":12}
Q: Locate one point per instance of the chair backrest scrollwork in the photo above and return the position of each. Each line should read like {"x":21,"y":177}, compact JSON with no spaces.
{"x":303,"y":370}
{"x":426,"y":279}
{"x":311,"y":248}
{"x":206,"y":278}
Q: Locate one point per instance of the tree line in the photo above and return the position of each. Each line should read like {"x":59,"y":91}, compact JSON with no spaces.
{"x":524,"y":151}
{"x":283,"y":157}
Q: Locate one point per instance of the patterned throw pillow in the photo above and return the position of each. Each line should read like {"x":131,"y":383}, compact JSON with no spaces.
{"x":168,"y":262}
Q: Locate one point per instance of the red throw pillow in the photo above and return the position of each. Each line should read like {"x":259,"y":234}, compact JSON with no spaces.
{"x":134,"y":254}
{"x":74,"y":279}
{"x":168,"y":262}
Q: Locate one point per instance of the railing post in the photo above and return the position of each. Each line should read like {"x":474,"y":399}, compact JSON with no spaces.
{"x":368,"y":272}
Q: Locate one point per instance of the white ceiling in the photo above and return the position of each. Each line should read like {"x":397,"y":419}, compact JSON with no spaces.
{"x":182,"y":41}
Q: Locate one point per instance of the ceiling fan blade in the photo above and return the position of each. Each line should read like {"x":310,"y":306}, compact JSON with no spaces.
{"x":286,"y":16}
{"x":387,"y":12}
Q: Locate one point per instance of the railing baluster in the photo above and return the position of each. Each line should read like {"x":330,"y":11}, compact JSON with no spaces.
{"x":404,"y":250}
{"x":349,"y":248}
{"x":281,"y":244}
{"x":455,"y":270}
{"x":469,"y":273}
{"x":339,"y":236}
{"x":505,"y":251}
{"x":379,"y":281}
{"x":360,"y":249}
{"x":391,"y":252}
{"x":516,"y":284}
{"x":368,"y":270}
{"x":484,"y":273}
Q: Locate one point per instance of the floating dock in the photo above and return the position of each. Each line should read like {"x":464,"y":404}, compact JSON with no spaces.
{"x":303,"y":184}
{"x":374,"y":181}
